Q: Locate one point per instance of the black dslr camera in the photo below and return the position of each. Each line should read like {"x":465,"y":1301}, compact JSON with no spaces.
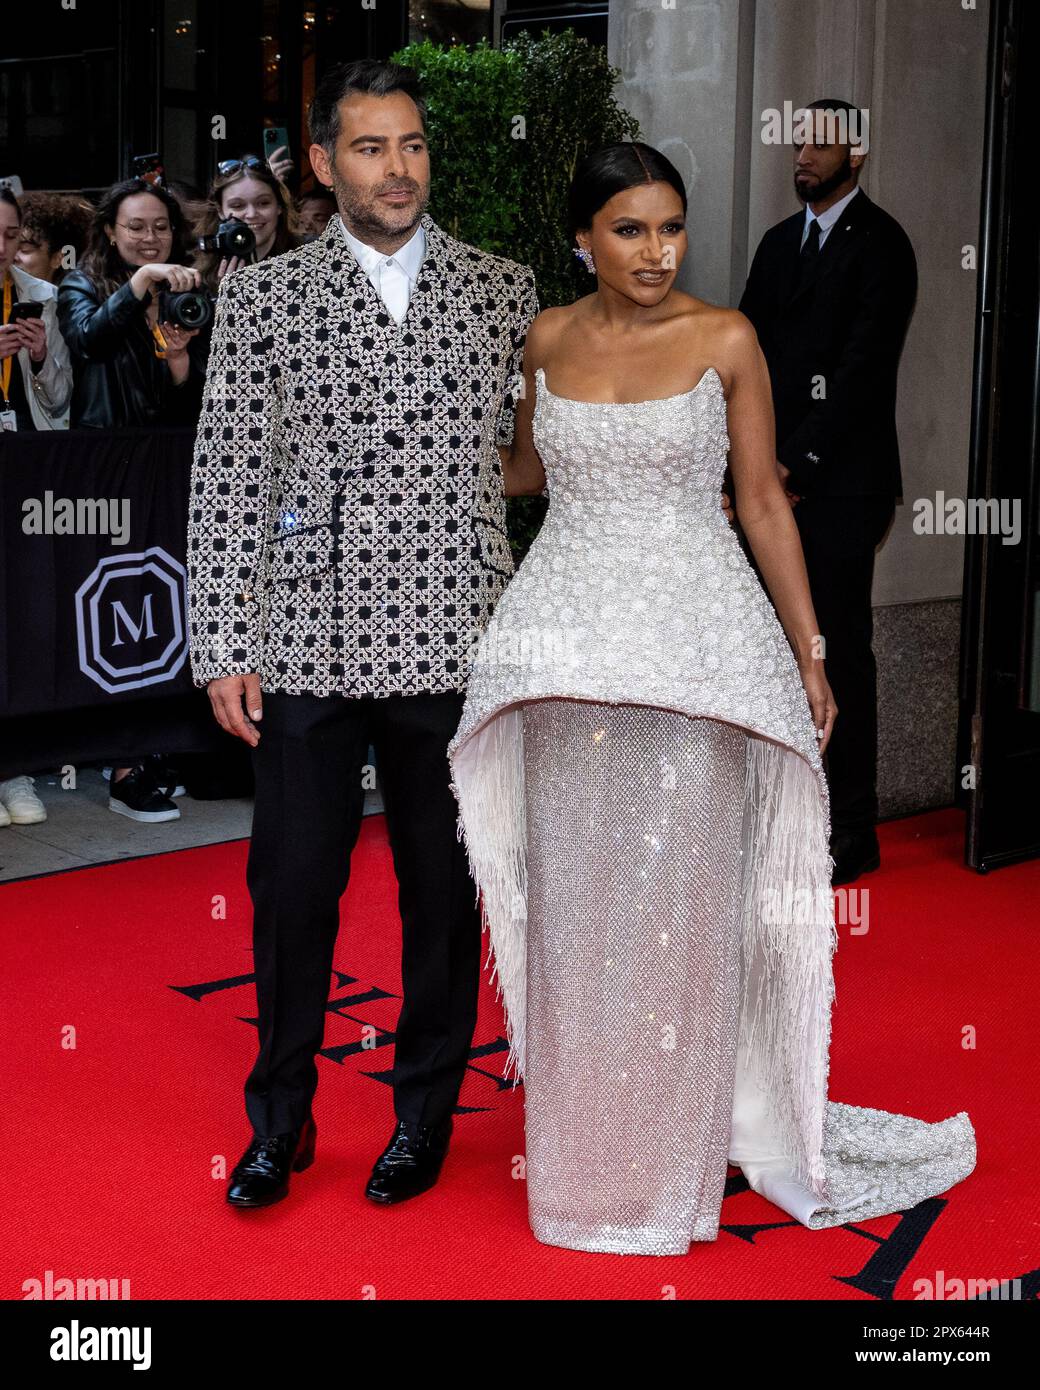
{"x":194,"y":308}
{"x":232,"y":238}
{"x":186,"y":308}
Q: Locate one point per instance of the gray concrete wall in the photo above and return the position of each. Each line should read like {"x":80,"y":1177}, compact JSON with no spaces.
{"x":698,"y":77}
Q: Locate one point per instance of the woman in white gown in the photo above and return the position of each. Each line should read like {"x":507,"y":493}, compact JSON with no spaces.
{"x":639,"y":777}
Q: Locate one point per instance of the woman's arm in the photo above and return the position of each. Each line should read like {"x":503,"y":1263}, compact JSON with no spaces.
{"x":53,"y":379}
{"x":93,"y":330}
{"x":522,"y":471}
{"x":765,"y":513}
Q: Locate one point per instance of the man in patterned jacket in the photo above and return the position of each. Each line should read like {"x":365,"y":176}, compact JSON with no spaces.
{"x":347,"y":545}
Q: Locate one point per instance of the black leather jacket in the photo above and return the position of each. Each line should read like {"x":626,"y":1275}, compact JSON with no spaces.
{"x":118,"y":380}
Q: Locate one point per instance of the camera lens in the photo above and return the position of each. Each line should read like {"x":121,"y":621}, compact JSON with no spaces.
{"x":193,"y":310}
{"x":188,"y":309}
{"x":242,"y":240}
{"x":235,"y":238}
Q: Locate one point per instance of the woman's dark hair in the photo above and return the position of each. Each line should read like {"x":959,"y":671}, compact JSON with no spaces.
{"x":6,"y":196}
{"x":101,"y":260}
{"x":365,"y":75}
{"x":56,"y":221}
{"x":603,"y":172}
{"x":206,"y":216}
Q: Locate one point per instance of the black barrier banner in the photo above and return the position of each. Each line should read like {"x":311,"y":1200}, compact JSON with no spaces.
{"x":93,"y":596}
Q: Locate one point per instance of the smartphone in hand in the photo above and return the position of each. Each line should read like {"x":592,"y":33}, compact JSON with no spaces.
{"x":26,"y":309}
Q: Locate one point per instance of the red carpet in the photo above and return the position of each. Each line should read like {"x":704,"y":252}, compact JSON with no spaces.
{"x":112,"y":1144}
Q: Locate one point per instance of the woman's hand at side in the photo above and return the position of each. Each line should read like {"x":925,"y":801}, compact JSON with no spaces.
{"x":764,"y":509}
{"x":821,"y":698}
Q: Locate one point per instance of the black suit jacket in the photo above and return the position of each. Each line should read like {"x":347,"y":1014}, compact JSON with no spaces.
{"x":841,"y":332}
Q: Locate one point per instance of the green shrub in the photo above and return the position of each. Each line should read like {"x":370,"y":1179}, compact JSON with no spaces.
{"x":499,"y":182}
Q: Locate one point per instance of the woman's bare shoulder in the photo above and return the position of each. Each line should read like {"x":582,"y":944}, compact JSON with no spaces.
{"x":737,"y":351}
{"x":702,"y":317}
{"x":723,"y":337}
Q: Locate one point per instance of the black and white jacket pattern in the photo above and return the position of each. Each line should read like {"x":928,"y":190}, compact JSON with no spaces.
{"x":347,"y":529}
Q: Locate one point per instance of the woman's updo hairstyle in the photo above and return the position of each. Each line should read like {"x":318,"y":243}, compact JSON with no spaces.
{"x":602,"y":173}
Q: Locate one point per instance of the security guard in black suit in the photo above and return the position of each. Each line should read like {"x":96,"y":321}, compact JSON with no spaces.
{"x":830,"y":293}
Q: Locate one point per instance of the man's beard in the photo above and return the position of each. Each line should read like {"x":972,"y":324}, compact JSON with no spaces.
{"x":362,"y":212}
{"x":815,"y":193}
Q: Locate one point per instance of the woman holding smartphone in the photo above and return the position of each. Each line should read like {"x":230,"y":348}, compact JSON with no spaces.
{"x":35,"y":386}
{"x":35,"y":374}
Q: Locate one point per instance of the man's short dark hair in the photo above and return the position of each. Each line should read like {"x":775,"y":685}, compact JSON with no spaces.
{"x":853,"y":115}
{"x":365,"y":75}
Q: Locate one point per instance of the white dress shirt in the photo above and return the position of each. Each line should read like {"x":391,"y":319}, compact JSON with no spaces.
{"x":392,"y":277}
{"x":826,"y":219}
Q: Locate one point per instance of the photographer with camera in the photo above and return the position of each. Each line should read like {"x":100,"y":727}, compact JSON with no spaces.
{"x":130,"y":312}
{"x":130,"y":315}
{"x":248,"y":215}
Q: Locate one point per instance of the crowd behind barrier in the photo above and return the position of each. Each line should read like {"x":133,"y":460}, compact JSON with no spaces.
{"x":93,"y":641}
{"x":104,"y":342}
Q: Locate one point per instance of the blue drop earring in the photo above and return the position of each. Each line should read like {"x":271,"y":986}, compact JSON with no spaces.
{"x":586,"y":259}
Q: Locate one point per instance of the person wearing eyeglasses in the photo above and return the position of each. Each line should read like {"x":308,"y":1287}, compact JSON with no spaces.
{"x":245,"y":190}
{"x":129,"y":368}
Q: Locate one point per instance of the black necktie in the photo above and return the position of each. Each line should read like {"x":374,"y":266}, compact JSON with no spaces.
{"x":809,"y":254}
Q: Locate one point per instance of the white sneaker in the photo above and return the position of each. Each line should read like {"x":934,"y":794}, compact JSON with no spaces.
{"x":5,"y":819}
{"x":24,"y":807}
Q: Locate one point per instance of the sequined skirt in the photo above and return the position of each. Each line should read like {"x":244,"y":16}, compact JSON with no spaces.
{"x":634,"y":818}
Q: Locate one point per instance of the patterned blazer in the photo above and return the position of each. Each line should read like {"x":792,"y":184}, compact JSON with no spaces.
{"x":347,"y":528}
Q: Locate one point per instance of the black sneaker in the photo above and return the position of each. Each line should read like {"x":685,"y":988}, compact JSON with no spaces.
{"x":137,"y":796}
{"x":165,"y":775}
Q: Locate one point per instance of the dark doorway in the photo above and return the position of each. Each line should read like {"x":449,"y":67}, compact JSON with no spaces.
{"x":1000,"y":650}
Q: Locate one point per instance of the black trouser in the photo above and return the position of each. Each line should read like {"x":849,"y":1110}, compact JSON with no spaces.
{"x":839,"y":538}
{"x":306,"y":818}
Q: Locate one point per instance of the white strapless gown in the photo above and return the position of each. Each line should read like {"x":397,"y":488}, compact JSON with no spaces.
{"x":646,"y":815}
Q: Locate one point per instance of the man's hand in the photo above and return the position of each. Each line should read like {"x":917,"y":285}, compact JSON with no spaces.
{"x":233,"y":699}
{"x":727,"y":507}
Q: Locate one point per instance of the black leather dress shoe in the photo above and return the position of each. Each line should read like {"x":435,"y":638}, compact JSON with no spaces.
{"x":854,"y":855}
{"x":410,"y":1163}
{"x":261,"y":1175}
